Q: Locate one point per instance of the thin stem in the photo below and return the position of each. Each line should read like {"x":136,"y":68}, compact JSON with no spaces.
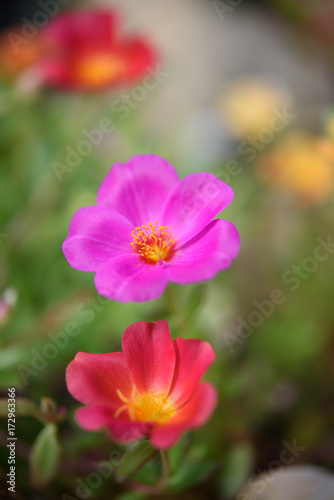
{"x":176,"y":308}
{"x":165,"y":472}
{"x":161,"y":484}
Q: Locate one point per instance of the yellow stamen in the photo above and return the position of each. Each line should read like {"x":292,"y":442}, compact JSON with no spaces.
{"x":146,"y":407}
{"x":154,"y":243}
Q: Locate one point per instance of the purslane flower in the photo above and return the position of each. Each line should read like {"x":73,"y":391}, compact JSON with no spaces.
{"x":150,"y":228}
{"x":85,"y":52}
{"x":79,"y":50}
{"x":153,"y":389}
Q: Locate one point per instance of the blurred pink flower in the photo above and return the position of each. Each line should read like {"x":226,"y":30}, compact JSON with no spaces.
{"x":149,"y":228}
{"x":151,"y":389}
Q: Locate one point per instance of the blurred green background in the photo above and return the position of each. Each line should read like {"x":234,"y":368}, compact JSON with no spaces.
{"x":275,"y":373}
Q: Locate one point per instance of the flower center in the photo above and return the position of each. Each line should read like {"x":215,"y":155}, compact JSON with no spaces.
{"x":147,"y":407}
{"x":99,"y":69}
{"x":153,"y":242}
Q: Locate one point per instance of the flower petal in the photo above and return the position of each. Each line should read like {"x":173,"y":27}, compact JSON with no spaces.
{"x":149,"y":353}
{"x":193,"y":203}
{"x":127,"y":279}
{"x":193,"y":358}
{"x":81,"y":30}
{"x":211,"y":251}
{"x":96,"y":417}
{"x":192,"y":415}
{"x":95,"y":378}
{"x":96,"y":235}
{"x":137,"y":55}
{"x":138,"y":189}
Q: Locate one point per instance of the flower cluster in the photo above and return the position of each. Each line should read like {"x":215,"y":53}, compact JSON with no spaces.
{"x":147,"y":229}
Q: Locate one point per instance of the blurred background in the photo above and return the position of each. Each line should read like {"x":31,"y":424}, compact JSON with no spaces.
{"x":239,"y":88}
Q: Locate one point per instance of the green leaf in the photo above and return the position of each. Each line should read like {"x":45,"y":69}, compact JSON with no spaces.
{"x":237,"y":467}
{"x":23,"y":408}
{"x":190,"y":474}
{"x":44,"y":457}
{"x":134,"y":459}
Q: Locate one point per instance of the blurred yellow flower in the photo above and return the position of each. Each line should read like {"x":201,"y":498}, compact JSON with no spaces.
{"x":302,"y":164}
{"x":248,"y":105}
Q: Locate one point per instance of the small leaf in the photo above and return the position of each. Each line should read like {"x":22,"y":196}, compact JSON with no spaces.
{"x":134,"y":459}
{"x":44,"y":457}
{"x":237,"y":467}
{"x":190,"y":474}
{"x":23,"y":408}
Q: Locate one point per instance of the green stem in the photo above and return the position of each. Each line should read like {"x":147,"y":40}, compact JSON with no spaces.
{"x":165,"y":471}
{"x":176,"y":308}
{"x":161,"y":484}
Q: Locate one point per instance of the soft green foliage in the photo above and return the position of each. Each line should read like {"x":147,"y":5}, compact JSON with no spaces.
{"x":275,"y":379}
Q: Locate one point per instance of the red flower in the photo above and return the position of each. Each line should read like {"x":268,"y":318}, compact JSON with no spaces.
{"x":86,"y":53}
{"x":153,"y":388}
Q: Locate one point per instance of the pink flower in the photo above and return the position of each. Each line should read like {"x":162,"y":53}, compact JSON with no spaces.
{"x":149,"y":228}
{"x":151,"y":389}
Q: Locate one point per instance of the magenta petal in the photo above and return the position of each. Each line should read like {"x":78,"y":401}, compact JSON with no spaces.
{"x":96,"y":417}
{"x":150,"y":356}
{"x":211,"y":251}
{"x":192,"y":415}
{"x":95,"y":378}
{"x":96,"y":235}
{"x":193,"y":358}
{"x":193,"y":203}
{"x":139,"y":188}
{"x":127,"y":279}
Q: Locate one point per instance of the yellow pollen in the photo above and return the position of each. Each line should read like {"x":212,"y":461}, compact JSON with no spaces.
{"x":154,"y":242}
{"x":147,"y":407}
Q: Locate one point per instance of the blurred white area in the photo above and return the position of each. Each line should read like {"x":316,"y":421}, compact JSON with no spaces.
{"x":204,"y":54}
{"x":303,"y":482}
